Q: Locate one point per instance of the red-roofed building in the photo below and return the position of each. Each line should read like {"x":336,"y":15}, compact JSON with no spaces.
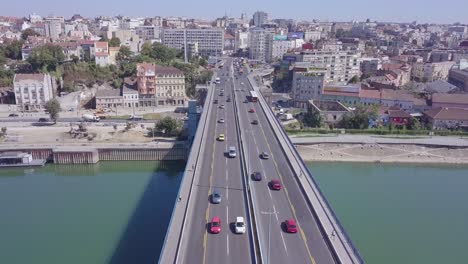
{"x":447,"y":118}
{"x":160,"y":86}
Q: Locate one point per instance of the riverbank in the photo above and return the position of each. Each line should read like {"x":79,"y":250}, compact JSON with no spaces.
{"x":360,"y":148}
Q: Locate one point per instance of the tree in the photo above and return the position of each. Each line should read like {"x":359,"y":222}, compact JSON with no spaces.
{"x":162,"y":53}
{"x":114,"y":42}
{"x":75,"y":59}
{"x":358,"y":119}
{"x":312,"y":119}
{"x":4,"y":131}
{"x":355,"y":79}
{"x":414,"y":124}
{"x":146,"y":49}
{"x":46,"y":57}
{"x":203,"y":62}
{"x":124,"y":54}
{"x":169,"y":126}
{"x":28,"y":32}
{"x":13,"y":49}
{"x":53,"y":107}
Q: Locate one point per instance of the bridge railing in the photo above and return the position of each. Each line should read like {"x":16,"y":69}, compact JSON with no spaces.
{"x":172,"y":241}
{"x":353,"y":255}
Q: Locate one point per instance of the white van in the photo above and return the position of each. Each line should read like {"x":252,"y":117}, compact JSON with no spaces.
{"x":232,"y":152}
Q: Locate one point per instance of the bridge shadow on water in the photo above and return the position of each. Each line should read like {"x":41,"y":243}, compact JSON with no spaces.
{"x":143,"y":237}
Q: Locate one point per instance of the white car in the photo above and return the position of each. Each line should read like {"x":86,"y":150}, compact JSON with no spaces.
{"x":221,"y":120}
{"x":240,"y":225}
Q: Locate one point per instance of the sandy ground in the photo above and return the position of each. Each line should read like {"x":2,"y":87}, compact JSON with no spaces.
{"x":60,"y":134}
{"x":391,"y":153}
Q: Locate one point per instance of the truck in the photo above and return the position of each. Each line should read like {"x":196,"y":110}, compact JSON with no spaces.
{"x":91,"y":118}
{"x":135,"y":117}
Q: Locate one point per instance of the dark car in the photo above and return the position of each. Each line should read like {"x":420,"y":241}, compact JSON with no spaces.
{"x":13,"y":115}
{"x":228,"y":99}
{"x":43,"y":120}
{"x":257,"y":176}
{"x":255,"y":122}
{"x":215,"y":101}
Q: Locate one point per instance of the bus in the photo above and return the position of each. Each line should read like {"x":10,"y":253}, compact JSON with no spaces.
{"x":253,"y":96}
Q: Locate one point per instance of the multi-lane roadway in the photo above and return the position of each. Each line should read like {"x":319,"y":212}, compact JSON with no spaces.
{"x":272,"y":208}
{"x":220,"y":172}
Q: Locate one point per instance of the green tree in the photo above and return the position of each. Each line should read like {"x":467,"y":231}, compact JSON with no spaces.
{"x":162,"y":53}
{"x":46,"y":57}
{"x":4,"y":131}
{"x":355,"y":79}
{"x":414,"y":124}
{"x":53,"y":107}
{"x":124,"y":54}
{"x":28,"y":32}
{"x":358,"y":119}
{"x":203,"y":62}
{"x":114,"y":42}
{"x":2,"y":58}
{"x":75,"y":59}
{"x":312,"y":119}
{"x":13,"y":49}
{"x":146,"y":49}
{"x":169,"y":126}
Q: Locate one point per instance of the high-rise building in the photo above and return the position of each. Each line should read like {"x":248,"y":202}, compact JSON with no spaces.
{"x":341,"y":66}
{"x":210,"y":41}
{"x":260,"y":44}
{"x":32,"y":91}
{"x":53,"y":27}
{"x":260,"y":18}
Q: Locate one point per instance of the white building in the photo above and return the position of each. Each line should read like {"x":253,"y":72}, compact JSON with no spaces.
{"x":260,"y":44}
{"x":429,"y":72}
{"x":148,"y":32}
{"x":32,"y":91}
{"x":312,"y":36}
{"x":53,"y":27}
{"x":307,"y":85}
{"x":341,"y":66}
{"x":241,"y":40}
{"x":130,"y":97}
{"x":210,"y":41}
{"x":281,"y":47}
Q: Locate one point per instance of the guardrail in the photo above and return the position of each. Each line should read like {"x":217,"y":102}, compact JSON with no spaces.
{"x":182,"y":205}
{"x":352,"y":254}
{"x":246,"y":179}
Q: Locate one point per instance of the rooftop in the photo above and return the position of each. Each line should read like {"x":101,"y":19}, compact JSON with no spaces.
{"x":29,"y":76}
{"x":441,"y":113}
{"x":108,"y":93}
{"x":450,"y":98}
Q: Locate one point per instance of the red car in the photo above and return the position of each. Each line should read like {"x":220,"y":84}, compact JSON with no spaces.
{"x":275,"y":184}
{"x":291,"y":226}
{"x":215,"y":226}
{"x":252,"y":110}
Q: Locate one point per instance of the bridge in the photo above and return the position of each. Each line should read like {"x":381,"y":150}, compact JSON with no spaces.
{"x":251,"y":128}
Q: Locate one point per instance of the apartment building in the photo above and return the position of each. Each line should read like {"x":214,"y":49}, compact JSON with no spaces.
{"x":32,"y":91}
{"x":53,"y":27}
{"x":101,"y":53}
{"x":260,"y":18}
{"x":210,"y":41}
{"x":307,"y":84}
{"x":429,"y":72}
{"x":341,"y":66}
{"x":147,"y":33}
{"x":160,"y":86}
{"x":260,"y":44}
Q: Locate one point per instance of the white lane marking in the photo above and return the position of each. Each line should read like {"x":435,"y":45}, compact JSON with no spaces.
{"x":284,"y":243}
{"x":227,"y":242}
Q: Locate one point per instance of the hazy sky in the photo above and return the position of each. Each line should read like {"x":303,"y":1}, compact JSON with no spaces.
{"x":443,"y":11}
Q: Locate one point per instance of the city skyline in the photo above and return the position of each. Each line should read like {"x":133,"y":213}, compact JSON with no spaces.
{"x":395,"y":11}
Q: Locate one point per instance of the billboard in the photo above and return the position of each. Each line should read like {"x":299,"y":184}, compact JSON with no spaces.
{"x":295,"y":35}
{"x":281,"y":37}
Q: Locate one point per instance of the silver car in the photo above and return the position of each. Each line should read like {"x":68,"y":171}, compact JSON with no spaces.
{"x":216,"y":197}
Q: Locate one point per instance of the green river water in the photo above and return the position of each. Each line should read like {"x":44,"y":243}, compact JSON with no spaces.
{"x":118,"y":212}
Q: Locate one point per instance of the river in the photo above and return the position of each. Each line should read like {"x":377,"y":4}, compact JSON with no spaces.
{"x":110,"y":212}
{"x":400,"y":213}
{"x":118,"y":212}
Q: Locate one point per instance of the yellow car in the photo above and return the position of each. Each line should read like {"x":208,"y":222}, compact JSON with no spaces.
{"x":221,"y":137}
